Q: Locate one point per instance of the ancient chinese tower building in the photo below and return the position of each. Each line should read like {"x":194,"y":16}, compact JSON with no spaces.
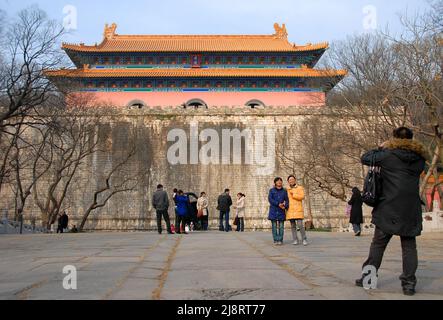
{"x":200,"y":70}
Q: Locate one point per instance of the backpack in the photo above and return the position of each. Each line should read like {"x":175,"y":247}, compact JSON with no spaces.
{"x":372,"y":185}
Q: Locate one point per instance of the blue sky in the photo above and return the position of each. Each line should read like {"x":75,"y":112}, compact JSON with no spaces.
{"x":306,"y":21}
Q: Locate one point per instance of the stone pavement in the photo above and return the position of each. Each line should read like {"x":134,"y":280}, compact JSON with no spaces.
{"x":212,"y":265}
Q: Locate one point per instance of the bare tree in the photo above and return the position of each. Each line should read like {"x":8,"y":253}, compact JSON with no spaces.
{"x":118,"y":179}
{"x":324,"y":154}
{"x":73,"y":139}
{"x":31,"y":48}
{"x":30,"y":161}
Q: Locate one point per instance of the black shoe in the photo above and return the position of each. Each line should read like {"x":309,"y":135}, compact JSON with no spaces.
{"x":408,"y":291}
{"x":408,"y":287}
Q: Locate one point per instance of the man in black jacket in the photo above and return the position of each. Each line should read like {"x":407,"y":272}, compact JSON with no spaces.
{"x":63,"y":222}
{"x":224,"y":202}
{"x":398,"y":211}
{"x":160,"y":202}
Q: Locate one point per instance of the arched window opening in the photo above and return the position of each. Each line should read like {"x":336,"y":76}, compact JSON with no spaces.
{"x":255,"y":104}
{"x":196,"y":104}
{"x":136,"y":104}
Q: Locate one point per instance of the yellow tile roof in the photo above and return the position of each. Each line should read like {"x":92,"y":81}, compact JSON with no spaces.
{"x":197,"y":72}
{"x":113,"y":42}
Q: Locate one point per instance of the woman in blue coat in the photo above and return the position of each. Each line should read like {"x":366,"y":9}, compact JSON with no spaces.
{"x":278,"y":204}
{"x":182,"y":211}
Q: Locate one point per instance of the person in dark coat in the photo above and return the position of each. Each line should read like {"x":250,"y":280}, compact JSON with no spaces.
{"x":224,"y":203}
{"x":160,"y":202}
{"x":356,"y":217}
{"x":398,"y":211}
{"x":278,"y":204}
{"x":182,"y":202}
{"x":63,"y":221}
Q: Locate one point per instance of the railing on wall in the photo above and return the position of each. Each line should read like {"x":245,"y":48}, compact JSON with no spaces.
{"x":17,"y":227}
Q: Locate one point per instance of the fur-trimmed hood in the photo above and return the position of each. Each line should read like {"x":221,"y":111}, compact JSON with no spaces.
{"x":406,"y":149}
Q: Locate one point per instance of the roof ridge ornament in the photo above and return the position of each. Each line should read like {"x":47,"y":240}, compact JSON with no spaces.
{"x":280,"y":32}
{"x":110,"y":31}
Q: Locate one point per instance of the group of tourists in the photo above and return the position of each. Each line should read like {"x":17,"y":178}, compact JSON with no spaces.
{"x":285,"y":205}
{"x":191,"y":214}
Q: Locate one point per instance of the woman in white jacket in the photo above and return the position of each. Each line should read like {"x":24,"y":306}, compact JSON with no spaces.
{"x":240,"y":207}
{"x":202,"y":206}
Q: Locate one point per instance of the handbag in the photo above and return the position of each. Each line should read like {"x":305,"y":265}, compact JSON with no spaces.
{"x":372,"y":185}
{"x":199,"y":213}
{"x":235,"y":221}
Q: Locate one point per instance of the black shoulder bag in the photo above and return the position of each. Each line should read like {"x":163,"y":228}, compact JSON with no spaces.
{"x":372,"y":185}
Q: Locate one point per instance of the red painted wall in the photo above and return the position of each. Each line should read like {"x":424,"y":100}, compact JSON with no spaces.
{"x":122,"y":99}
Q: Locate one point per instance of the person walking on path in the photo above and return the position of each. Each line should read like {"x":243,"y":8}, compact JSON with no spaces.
{"x":203,"y":211}
{"x":182,"y":212}
{"x":356,"y":217}
{"x":240,"y":212}
{"x":63,"y":221}
{"x":224,"y":203}
{"x":279,"y":202}
{"x":295,"y":213}
{"x":398,"y":211}
{"x":160,"y":202}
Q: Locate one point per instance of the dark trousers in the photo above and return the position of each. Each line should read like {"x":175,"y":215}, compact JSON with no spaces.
{"x":180,"y":221}
{"x":204,"y":220}
{"x":241,"y":224}
{"x":165,"y":215}
{"x":59,"y":229}
{"x":224,"y":215}
{"x":409,"y":255}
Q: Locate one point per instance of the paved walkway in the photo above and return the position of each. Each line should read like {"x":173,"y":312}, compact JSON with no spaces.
{"x":213,"y":265}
